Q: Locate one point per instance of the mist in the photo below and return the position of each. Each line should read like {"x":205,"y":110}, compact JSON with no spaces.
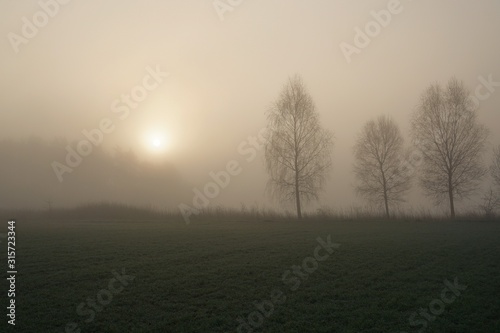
{"x":207,"y":77}
{"x":250,"y":166}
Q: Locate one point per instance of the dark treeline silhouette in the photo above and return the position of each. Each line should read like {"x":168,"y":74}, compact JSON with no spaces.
{"x":28,"y":181}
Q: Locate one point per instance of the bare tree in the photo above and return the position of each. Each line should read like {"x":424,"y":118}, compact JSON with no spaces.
{"x":489,"y":202}
{"x":495,"y":168}
{"x":451,"y":142}
{"x":495,"y":173}
{"x":298,"y":150}
{"x":378,"y":165}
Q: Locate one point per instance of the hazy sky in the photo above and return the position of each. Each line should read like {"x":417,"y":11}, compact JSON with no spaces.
{"x":224,"y":74}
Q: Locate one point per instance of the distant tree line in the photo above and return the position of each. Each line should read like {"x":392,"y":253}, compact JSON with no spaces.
{"x":28,"y":181}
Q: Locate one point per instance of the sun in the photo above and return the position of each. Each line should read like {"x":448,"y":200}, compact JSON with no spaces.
{"x":157,"y":142}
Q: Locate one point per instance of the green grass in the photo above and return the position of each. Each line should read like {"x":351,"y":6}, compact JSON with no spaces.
{"x":202,"y":277}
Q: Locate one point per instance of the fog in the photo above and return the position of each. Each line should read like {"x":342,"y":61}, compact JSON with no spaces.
{"x":209,"y":84}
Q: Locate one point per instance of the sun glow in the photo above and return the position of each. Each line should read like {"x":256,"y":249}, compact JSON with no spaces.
{"x":157,"y":142}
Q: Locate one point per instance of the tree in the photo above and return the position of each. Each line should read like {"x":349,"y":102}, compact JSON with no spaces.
{"x":494,"y":195}
{"x":378,"y":166}
{"x":495,"y":168}
{"x":298,"y":150}
{"x":489,"y":203}
{"x":451,"y":142}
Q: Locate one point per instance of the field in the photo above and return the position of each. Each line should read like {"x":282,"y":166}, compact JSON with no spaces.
{"x":207,"y":276}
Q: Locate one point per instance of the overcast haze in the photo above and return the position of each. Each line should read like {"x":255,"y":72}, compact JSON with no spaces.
{"x":223,"y":77}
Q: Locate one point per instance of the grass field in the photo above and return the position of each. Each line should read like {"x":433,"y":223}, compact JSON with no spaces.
{"x":205,"y":277}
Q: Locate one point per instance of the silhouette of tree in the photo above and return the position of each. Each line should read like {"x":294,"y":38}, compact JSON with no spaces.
{"x":451,"y":142}
{"x":495,"y":168}
{"x":298,"y":150}
{"x":378,"y":166}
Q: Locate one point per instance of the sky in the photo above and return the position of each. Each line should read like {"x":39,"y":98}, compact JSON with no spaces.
{"x":217,"y":68}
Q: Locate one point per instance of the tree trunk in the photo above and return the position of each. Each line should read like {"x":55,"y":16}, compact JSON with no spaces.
{"x":386,"y":204}
{"x":386,"y":200}
{"x":450,"y":193}
{"x":452,"y":205}
{"x":297,"y":196}
{"x":296,"y":164}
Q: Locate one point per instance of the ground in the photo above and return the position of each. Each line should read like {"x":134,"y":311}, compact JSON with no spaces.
{"x":213,"y":276}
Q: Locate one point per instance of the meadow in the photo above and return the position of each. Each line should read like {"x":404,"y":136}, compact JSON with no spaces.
{"x":238,"y":275}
